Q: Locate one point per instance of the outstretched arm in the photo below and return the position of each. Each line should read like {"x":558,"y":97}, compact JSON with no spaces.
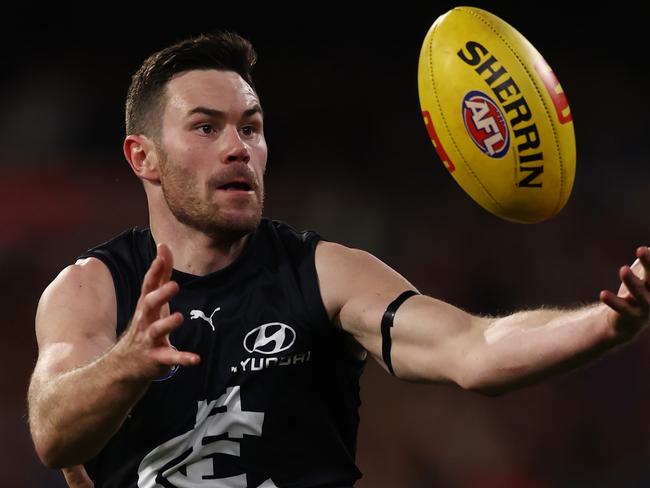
{"x":86,"y":381}
{"x":435,"y":341}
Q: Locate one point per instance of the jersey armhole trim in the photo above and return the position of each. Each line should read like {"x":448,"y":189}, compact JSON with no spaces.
{"x":115,"y":274}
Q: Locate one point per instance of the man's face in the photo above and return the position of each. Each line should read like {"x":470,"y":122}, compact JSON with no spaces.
{"x":213,"y":153}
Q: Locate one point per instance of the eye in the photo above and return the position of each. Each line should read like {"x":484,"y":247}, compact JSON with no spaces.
{"x":206,"y":129}
{"x":251,"y":130}
{"x":248,"y":130}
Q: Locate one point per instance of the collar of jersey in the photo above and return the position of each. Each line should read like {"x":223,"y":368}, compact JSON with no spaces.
{"x":237,"y":266}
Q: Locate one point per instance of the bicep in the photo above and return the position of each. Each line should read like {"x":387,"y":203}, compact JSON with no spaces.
{"x":75,"y":319}
{"x":433,"y":340}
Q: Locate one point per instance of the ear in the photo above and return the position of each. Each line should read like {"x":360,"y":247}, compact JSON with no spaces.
{"x":140,"y":152}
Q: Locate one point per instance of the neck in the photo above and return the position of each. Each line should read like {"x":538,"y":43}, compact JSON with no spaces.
{"x":194,"y":252}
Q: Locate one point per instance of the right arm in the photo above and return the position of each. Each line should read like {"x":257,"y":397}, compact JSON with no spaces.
{"x":433,"y":341}
{"x":86,"y":381}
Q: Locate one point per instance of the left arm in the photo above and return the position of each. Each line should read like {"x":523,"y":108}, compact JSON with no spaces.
{"x":435,"y":341}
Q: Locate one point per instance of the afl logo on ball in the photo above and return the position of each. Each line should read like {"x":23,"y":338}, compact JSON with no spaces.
{"x":270,"y":338}
{"x":485,"y":124}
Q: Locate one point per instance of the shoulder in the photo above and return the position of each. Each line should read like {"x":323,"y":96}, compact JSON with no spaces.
{"x":123,"y":244}
{"x":289,"y":233}
{"x":335,"y":254}
{"x":284,"y":242}
{"x":127,"y":257}
{"x":88,"y":281}
{"x":86,"y":274}
{"x":346,"y":273}
{"x":340,"y":263}
{"x":91,"y":276}
{"x":76,"y":316}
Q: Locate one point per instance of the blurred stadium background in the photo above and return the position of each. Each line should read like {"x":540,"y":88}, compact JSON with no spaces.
{"x":350,"y":158}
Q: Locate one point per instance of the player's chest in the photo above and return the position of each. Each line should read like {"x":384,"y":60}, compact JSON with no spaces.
{"x":247,"y":328}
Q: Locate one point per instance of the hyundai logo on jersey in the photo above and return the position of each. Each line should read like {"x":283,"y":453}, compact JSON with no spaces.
{"x":270,"y":338}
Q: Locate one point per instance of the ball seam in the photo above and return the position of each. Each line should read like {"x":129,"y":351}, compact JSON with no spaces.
{"x":534,"y":82}
{"x":448,"y":131}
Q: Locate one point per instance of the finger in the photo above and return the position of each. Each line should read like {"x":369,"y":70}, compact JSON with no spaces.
{"x":153,"y":302}
{"x":618,"y":304}
{"x":634,"y":284}
{"x":165,"y":326}
{"x":643,"y":253}
{"x":152,"y":277}
{"x":164,"y":310}
{"x":165,"y":253}
{"x":172,"y":357}
{"x":77,"y":477}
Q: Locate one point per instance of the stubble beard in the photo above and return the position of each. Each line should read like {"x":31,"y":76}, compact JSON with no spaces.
{"x":183,"y":196}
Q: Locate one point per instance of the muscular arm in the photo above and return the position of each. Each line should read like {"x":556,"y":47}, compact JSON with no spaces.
{"x":85,"y":381}
{"x":435,"y":341}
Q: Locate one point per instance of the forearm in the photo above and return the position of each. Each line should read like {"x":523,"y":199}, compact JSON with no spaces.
{"x":526,"y":347}
{"x":74,"y":414}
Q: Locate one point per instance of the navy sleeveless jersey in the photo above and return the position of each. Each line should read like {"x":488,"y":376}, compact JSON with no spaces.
{"x":274,"y":401}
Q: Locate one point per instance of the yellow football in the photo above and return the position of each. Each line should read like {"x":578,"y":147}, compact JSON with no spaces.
{"x":497,"y":115}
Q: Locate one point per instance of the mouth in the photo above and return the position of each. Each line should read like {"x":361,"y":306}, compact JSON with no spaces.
{"x":236,"y":186}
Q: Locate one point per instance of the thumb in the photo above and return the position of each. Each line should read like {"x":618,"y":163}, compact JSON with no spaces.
{"x":77,"y":477}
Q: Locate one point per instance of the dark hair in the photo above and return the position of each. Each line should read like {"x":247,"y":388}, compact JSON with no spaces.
{"x":224,"y":51}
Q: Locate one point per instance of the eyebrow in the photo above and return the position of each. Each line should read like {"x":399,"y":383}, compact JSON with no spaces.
{"x":255,"y":109}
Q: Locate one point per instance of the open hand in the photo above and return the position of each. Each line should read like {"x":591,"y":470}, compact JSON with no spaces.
{"x":630,"y":308}
{"x":145,"y":345}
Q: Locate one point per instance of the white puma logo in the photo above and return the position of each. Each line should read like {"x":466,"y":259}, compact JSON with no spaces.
{"x":198,"y":314}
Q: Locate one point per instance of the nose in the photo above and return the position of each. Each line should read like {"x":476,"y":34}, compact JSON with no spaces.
{"x":234,"y":149}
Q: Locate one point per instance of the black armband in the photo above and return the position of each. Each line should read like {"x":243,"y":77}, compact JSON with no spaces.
{"x":387,"y":323}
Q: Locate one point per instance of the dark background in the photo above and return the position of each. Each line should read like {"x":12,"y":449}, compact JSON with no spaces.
{"x":350,"y":158}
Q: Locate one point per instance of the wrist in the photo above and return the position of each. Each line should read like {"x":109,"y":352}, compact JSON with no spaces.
{"x":619,"y":329}
{"x":124,"y":366}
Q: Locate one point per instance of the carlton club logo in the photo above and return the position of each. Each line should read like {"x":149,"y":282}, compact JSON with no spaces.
{"x":270,"y":338}
{"x":485,"y":124}
{"x":190,"y":459}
